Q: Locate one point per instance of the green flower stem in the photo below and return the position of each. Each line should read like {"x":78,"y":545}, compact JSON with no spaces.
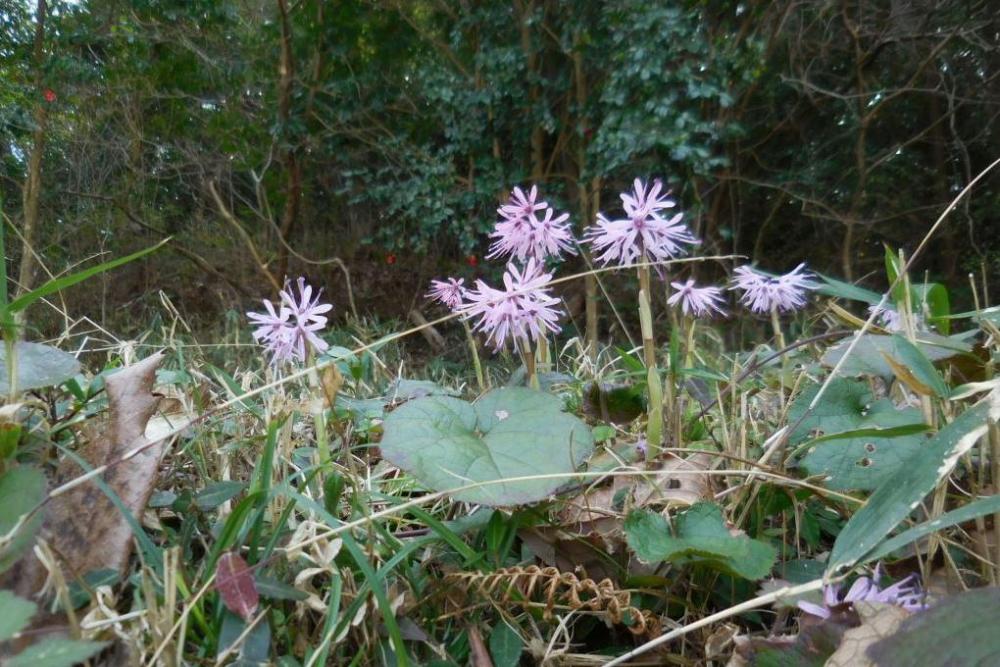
{"x":319,"y":418}
{"x":544,"y":354}
{"x":654,"y":417}
{"x":779,"y":337}
{"x":689,"y":342}
{"x":528,"y":355}
{"x":476,"y":362}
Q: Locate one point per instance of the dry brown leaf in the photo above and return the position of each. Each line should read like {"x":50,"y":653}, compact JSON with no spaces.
{"x":878,"y":621}
{"x":82,"y":525}
{"x":676,"y":484}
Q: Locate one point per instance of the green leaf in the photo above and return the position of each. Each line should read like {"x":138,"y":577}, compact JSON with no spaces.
{"x":847,"y":405}
{"x":893,"y":267}
{"x":55,"y":652}
{"x":842,"y":290}
{"x":955,"y":631}
{"x":868,"y":356}
{"x":21,"y":490}
{"x":919,"y":366}
{"x":404,"y":389}
{"x":506,"y":646}
{"x":217,"y":493}
{"x":902,"y":492}
{"x":973,"y":510}
{"x":15,"y":613}
{"x":254,"y":649}
{"x":857,"y":460}
{"x":933,"y":297}
{"x":447,"y":443}
{"x":67,"y":281}
{"x":701,"y":538}
{"x":234,"y":525}
{"x":38,"y":366}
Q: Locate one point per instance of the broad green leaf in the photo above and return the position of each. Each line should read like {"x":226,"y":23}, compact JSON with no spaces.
{"x":702,"y":538}
{"x":217,"y":493}
{"x":21,"y":490}
{"x":901,"y":493}
{"x":506,"y":646}
{"x":973,"y":510}
{"x":38,"y":366}
{"x":860,"y":462}
{"x":55,"y":652}
{"x":15,"y":613}
{"x":447,"y":443}
{"x":868,"y":358}
{"x":842,"y":290}
{"x":959,"y":630}
{"x":846,"y":405}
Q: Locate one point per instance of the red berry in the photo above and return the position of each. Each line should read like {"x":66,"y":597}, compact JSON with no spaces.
{"x":390,"y":258}
{"x":472,"y":260}
{"x":50,"y":95}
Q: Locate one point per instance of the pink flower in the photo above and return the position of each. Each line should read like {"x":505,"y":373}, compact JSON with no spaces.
{"x":699,"y":301}
{"x":287,"y":330}
{"x":550,"y":237}
{"x":521,"y":312}
{"x":763,"y":293}
{"x":272,"y":331}
{"x":644,"y":232}
{"x":905,"y":594}
{"x":522,"y":234}
{"x":449,"y":291}
{"x":890,"y":319}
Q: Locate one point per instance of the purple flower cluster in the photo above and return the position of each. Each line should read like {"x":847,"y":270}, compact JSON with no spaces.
{"x":521,"y":312}
{"x":905,"y":593}
{"x":522,"y":234}
{"x":450,"y":292}
{"x":644,"y":232}
{"x":697,"y":301}
{"x":763,"y":293}
{"x":286,"y":331}
{"x":529,"y":232}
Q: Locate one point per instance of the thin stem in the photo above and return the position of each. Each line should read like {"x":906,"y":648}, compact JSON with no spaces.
{"x":779,"y":336}
{"x":528,"y":355}
{"x":319,"y":418}
{"x":654,"y":416}
{"x":476,"y":362}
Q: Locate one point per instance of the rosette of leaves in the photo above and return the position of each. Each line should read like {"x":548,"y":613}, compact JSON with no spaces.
{"x":507,"y":435}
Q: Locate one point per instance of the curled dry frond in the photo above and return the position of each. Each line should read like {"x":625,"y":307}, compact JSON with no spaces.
{"x":528,"y":586}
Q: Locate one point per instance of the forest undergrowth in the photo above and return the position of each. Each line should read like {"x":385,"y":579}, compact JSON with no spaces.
{"x":303,"y":494}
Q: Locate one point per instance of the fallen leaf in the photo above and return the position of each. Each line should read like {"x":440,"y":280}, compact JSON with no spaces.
{"x":878,"y":621}
{"x":677,"y":483}
{"x":83,"y":525}
{"x":236,"y":586}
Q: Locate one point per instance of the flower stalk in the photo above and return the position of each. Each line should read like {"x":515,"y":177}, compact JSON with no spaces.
{"x":654,"y":410}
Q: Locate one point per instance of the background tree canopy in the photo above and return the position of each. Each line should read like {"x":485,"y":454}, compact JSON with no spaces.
{"x":281,"y":137}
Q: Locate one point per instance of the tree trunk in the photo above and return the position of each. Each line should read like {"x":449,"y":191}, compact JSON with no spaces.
{"x":33,"y":182}
{"x":293,"y":170}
